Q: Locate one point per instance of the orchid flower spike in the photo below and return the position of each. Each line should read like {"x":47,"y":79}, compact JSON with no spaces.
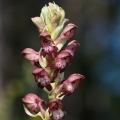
{"x":51,"y":61}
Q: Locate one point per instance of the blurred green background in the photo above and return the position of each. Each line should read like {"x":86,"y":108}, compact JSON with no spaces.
{"x":98,"y":58}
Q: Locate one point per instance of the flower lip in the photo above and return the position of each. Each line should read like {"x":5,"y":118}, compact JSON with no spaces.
{"x":58,"y":114}
{"x":60,"y":64}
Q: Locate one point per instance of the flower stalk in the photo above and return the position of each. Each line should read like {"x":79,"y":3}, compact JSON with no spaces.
{"x":51,"y":61}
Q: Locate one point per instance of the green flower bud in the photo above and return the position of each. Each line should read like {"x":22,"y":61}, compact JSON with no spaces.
{"x":51,"y":20}
{"x":53,"y":17}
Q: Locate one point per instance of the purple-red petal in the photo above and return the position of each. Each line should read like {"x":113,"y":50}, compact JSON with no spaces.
{"x":73,"y":78}
{"x":67,"y":33}
{"x":30,"y":98}
{"x":30,"y":54}
{"x":62,"y":54}
{"x":37,"y":71}
{"x":69,"y":30}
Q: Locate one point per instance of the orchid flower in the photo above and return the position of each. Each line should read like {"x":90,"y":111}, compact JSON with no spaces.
{"x":34,"y":104}
{"x":67,"y":86}
{"x":56,"y":109}
{"x":42,"y":78}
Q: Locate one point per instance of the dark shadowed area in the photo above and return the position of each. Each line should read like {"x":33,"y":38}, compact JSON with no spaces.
{"x":97,"y":58}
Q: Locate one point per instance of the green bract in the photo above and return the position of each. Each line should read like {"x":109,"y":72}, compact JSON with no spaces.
{"x":51,"y":20}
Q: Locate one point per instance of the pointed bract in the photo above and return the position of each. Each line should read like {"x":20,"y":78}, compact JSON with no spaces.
{"x":39,"y":23}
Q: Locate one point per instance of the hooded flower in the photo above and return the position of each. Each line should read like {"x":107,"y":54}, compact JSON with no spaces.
{"x":56,"y":109}
{"x":67,"y":33}
{"x":42,"y":78}
{"x":47,"y":44}
{"x":65,"y":56}
{"x":34,"y":104}
{"x":69,"y":85}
